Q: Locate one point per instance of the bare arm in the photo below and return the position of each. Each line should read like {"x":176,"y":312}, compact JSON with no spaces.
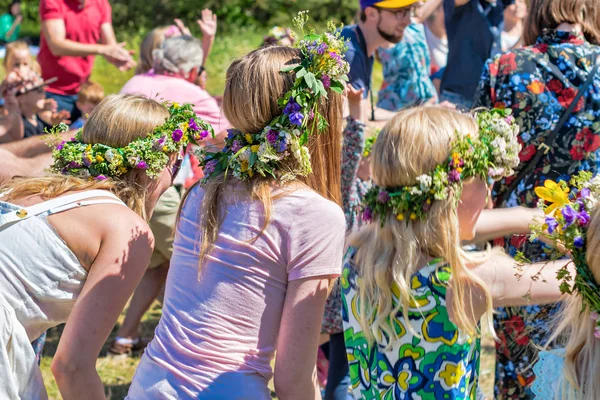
{"x":11,"y":166}
{"x":121,"y":261}
{"x":55,"y":33}
{"x":208,"y":26}
{"x":107,"y":34}
{"x":299,"y":339}
{"x":427,"y":9}
{"x":11,"y":127}
{"x":535,"y":284}
{"x":33,"y":146}
{"x":502,"y":222}
{"x":458,"y":3}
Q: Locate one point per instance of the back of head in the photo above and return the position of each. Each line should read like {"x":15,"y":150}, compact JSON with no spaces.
{"x":178,"y":55}
{"x":91,"y":92}
{"x":574,"y":322}
{"x":117,"y":121}
{"x":151,"y":42}
{"x":549,"y":14}
{"x":254,"y":85}
{"x":391,"y":251}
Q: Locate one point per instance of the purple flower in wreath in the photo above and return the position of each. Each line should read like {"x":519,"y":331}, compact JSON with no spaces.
{"x":204,"y":134}
{"x":231,"y":134}
{"x":583,"y":218}
{"x":61,"y":145}
{"x":73,"y":165}
{"x":578,"y":242}
{"x":210,"y":166}
{"x":272,"y":136}
{"x":291,"y":107}
{"x":569,"y":215}
{"x":282,"y":146}
{"x":236,"y":146}
{"x":142,"y":165}
{"x":177,"y":135}
{"x":552,"y":224}
{"x":322,"y":49}
{"x":326,"y":81}
{"x":383,"y":197}
{"x":87,"y":160}
{"x":453,"y":176}
{"x":101,"y":178}
{"x":193,"y":125}
{"x":160,"y":142}
{"x":367,"y":215}
{"x":296,"y":118}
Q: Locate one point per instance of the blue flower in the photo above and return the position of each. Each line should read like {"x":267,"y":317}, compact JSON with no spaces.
{"x":552,"y":224}
{"x":291,"y":107}
{"x":578,"y":242}
{"x":296,"y":118}
{"x":569,"y":215}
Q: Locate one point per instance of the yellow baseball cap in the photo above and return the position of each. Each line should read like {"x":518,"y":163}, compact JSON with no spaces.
{"x":386,"y":3}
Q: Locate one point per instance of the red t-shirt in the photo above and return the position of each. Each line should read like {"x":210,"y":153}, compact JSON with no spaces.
{"x":82,"y":25}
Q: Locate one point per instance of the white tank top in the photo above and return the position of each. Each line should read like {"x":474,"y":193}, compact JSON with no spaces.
{"x":40,"y":277}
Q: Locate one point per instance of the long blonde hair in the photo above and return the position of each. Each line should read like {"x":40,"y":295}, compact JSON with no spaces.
{"x":254,"y":84}
{"x":582,"y":350}
{"x":388,"y":255}
{"x":116,"y":122}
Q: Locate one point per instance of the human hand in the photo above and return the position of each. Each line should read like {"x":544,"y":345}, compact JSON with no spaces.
{"x":119,"y":56}
{"x":60,"y":116}
{"x":355,"y":101}
{"x":208,"y":23}
{"x":50,"y":105}
{"x":182,"y":28}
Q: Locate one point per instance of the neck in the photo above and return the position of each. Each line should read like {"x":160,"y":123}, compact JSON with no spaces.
{"x":372,"y":38}
{"x":567,"y":27}
{"x":29,"y":114}
{"x":514,"y":27}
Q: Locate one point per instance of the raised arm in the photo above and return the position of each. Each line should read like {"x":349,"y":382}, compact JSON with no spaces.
{"x":500,"y":222}
{"x":121,"y":261}
{"x":295,"y":375}
{"x":208,"y":26}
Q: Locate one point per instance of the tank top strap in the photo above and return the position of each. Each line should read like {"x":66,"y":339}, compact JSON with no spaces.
{"x":61,"y":204}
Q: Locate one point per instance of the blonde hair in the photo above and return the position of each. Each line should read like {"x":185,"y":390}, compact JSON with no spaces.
{"x":254,"y":84}
{"x":117,"y":121}
{"x":549,"y":14}
{"x":388,"y":255}
{"x":12,"y":48}
{"x":582,"y":350}
{"x":91,"y":92}
{"x":151,"y":42}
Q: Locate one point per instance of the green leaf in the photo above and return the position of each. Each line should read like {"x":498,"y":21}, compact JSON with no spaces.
{"x":321,"y":89}
{"x":337,"y":90}
{"x":290,"y":68}
{"x":252,"y":160}
{"x":301,"y":73}
{"x":311,"y":81}
{"x":312,"y":37}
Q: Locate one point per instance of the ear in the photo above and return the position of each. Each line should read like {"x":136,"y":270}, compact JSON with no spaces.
{"x":193,"y":74}
{"x":372,"y":13}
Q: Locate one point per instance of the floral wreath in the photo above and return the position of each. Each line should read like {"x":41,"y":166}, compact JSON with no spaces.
{"x":269,"y":152}
{"x":369,"y":142}
{"x":567,"y":208}
{"x":151,"y":153}
{"x":492,"y":155}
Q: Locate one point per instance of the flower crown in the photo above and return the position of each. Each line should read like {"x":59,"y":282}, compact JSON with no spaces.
{"x":150,"y":153}
{"x":567,"y":211}
{"x":492,"y":155}
{"x":369,"y":142}
{"x":279,"y":149}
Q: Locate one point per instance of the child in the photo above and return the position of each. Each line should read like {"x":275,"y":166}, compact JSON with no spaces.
{"x":412,"y":298}
{"x":90,"y":95}
{"x":573,"y":220}
{"x":18,"y":59}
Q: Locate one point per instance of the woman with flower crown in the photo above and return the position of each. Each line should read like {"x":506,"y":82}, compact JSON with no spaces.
{"x":412,"y":298}
{"x":75,"y":245}
{"x":573,"y":221}
{"x":259,"y":241}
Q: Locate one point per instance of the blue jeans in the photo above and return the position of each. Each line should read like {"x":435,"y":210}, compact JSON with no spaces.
{"x":460,"y":101}
{"x":66,"y":102}
{"x":338,"y":377}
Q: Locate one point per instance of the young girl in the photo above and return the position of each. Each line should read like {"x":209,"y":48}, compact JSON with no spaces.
{"x":573,"y":220}
{"x":257,"y":245}
{"x":74,"y":246}
{"x":18,"y":59}
{"x":412,"y":298}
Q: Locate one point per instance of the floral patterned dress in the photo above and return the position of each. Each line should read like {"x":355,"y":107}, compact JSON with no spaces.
{"x":438,"y":362}
{"x":539,"y":83}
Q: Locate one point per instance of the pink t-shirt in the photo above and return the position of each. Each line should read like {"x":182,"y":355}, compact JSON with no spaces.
{"x":174,"y":89}
{"x":218,"y":334}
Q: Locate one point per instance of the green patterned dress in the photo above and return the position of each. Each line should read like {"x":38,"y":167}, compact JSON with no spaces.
{"x":439,"y":363}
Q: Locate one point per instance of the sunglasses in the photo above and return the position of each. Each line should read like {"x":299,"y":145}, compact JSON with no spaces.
{"x":37,"y":89}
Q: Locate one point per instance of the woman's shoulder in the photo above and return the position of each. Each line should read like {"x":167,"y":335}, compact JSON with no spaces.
{"x":309,"y":205}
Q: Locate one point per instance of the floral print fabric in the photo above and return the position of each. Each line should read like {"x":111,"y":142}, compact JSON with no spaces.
{"x":438,"y":362}
{"x":406,"y":69}
{"x":539,"y":83}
